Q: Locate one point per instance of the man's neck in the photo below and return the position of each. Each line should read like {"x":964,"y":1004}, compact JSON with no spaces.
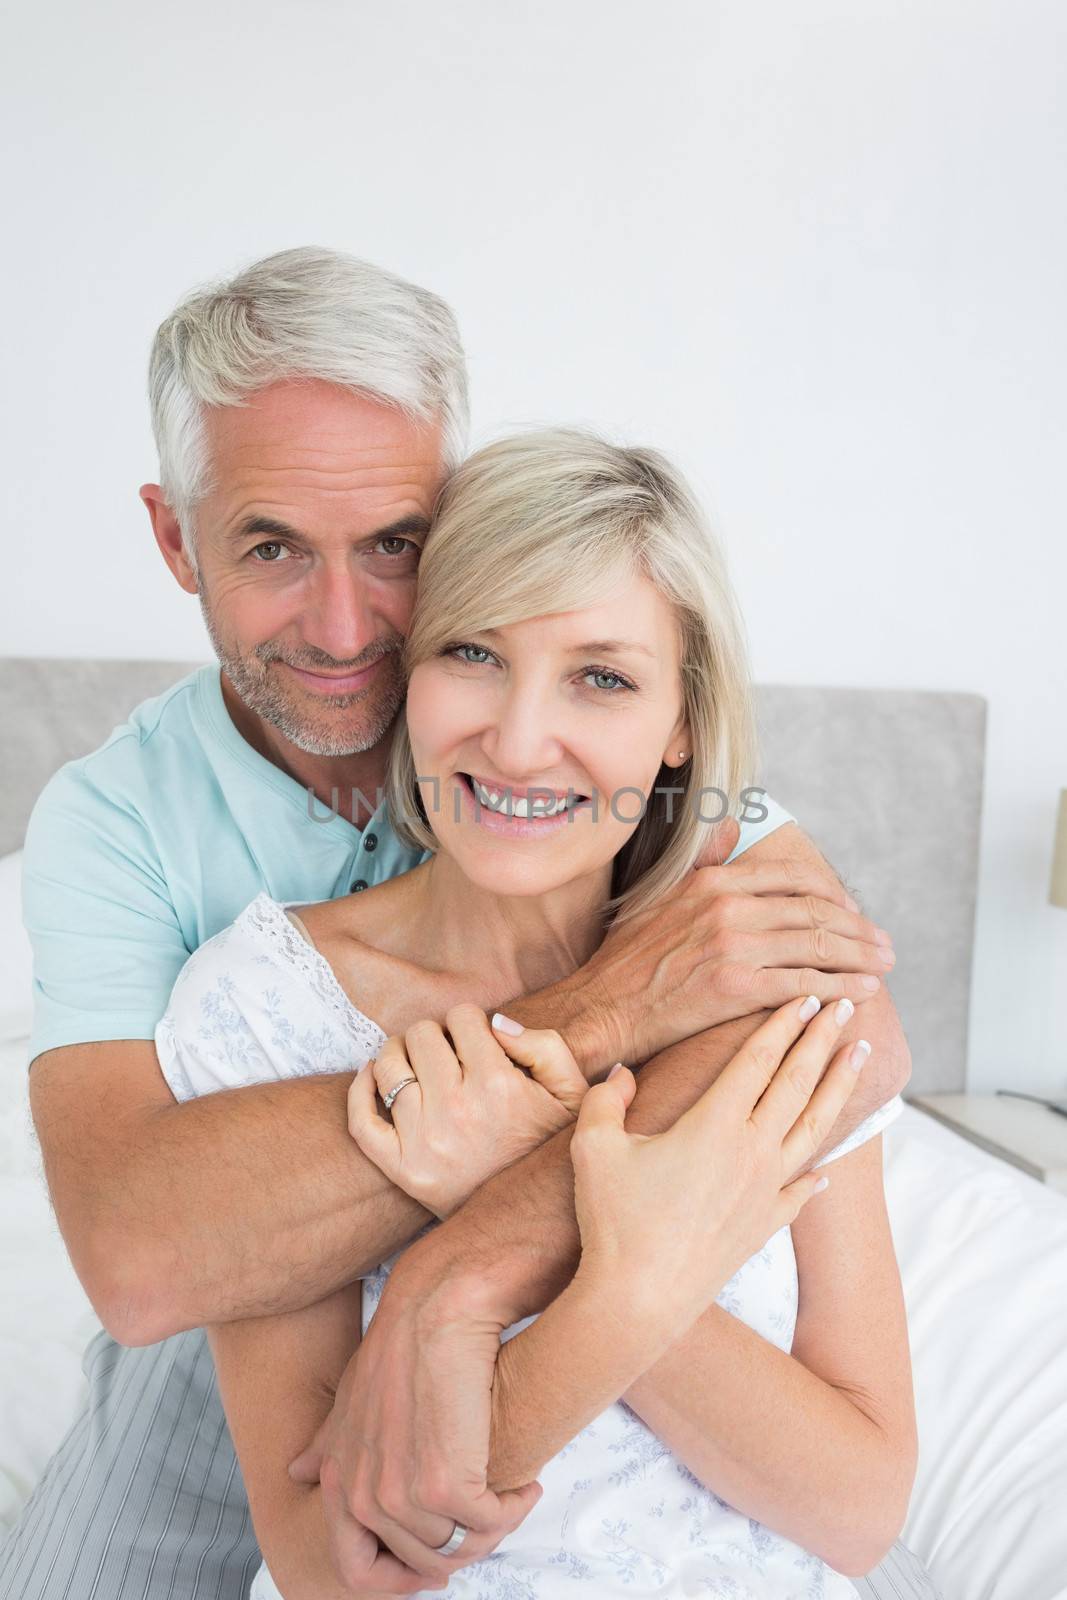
{"x":351,"y":783}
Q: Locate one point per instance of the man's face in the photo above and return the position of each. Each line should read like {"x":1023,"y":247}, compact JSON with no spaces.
{"x":308,"y":547}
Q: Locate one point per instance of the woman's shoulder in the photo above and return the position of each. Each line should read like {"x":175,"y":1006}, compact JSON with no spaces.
{"x":373,"y":918}
{"x":366,"y":941}
{"x":256,"y":1001}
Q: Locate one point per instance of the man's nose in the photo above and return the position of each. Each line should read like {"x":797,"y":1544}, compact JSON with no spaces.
{"x":338,"y":618}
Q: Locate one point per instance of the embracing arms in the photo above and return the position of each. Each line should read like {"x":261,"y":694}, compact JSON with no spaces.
{"x":654,"y":1254}
{"x":514,"y":1246}
{"x":818,"y":1444}
{"x":519,"y":1233}
{"x":275,"y":1160}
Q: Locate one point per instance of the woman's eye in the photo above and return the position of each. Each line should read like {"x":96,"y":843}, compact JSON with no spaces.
{"x":475,"y":654}
{"x":603,"y":679}
{"x":270,"y":544}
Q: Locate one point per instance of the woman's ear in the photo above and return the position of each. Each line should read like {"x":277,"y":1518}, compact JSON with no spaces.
{"x":679,"y":750}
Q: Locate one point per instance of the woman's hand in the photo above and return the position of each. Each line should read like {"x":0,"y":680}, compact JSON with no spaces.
{"x":674,"y":1215}
{"x":471,"y":1110}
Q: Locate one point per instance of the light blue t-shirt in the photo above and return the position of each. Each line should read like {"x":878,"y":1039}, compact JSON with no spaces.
{"x":139,"y":852}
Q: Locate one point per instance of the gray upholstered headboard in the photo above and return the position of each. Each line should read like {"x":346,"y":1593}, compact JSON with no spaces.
{"x":887,"y":782}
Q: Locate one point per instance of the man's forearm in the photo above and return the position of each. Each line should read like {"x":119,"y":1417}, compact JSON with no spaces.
{"x":260,"y":1202}
{"x":270,"y":1205}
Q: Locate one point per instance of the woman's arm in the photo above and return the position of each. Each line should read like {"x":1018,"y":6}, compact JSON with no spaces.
{"x":819,"y":1445}
{"x":276,"y":1378}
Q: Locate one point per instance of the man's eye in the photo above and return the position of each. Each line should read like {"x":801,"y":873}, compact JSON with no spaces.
{"x":272,"y":545}
{"x":394,"y":545}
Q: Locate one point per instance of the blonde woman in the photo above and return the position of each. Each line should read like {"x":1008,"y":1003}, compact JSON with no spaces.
{"x":578,"y":697}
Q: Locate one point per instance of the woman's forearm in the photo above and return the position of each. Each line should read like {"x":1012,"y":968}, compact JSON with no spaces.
{"x":776,"y":1442}
{"x":768,"y":1436}
{"x":297,"y":1552}
{"x":584,"y":1351}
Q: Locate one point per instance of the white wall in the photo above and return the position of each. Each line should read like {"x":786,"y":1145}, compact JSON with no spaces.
{"x":815,"y":250}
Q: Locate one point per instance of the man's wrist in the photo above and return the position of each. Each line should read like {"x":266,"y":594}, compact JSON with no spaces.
{"x":594,"y":1024}
{"x":457,"y":1267}
{"x":510,"y":1249}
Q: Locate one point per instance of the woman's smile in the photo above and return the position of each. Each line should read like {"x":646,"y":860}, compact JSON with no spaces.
{"x":515,"y":811}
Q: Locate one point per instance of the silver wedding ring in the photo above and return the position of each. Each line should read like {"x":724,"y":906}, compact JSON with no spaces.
{"x":391,"y":1096}
{"x":453,"y":1542}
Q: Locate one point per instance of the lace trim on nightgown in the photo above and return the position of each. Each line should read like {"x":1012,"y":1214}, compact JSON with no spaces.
{"x":266,"y":919}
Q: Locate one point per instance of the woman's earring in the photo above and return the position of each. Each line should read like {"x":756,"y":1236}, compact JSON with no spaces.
{"x":681,"y":755}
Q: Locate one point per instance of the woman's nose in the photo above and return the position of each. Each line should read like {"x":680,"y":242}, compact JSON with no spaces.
{"x":524,"y":740}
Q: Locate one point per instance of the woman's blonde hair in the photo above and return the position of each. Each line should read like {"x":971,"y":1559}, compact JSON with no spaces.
{"x":548,"y":521}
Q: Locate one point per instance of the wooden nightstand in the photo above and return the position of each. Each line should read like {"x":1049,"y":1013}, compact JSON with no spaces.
{"x":1029,"y":1136}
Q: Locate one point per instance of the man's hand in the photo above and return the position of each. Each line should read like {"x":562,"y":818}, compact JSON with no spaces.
{"x":727,"y":942}
{"x":403,"y":1454}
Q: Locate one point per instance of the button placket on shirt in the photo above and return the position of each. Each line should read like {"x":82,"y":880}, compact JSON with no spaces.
{"x":368,"y":844}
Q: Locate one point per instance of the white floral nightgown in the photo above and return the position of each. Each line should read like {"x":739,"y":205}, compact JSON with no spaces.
{"x":619,"y":1515}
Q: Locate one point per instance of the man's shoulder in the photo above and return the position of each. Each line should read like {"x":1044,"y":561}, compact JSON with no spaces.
{"x":155,"y":733}
{"x":133,"y":769}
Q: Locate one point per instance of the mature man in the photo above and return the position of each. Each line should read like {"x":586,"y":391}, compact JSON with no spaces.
{"x":306,"y":415}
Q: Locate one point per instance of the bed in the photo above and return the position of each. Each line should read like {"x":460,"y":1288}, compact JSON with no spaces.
{"x":889,"y":784}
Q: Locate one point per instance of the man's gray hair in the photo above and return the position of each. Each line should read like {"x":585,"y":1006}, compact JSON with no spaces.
{"x":305,"y":313}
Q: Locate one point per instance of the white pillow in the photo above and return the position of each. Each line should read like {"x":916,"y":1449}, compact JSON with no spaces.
{"x":16,"y":956}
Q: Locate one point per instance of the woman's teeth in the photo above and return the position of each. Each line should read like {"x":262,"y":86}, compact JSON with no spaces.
{"x":504,"y":801}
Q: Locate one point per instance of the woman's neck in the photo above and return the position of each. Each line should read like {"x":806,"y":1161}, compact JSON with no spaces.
{"x":529,"y":941}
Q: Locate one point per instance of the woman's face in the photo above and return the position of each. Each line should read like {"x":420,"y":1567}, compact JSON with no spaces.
{"x":577,"y":709}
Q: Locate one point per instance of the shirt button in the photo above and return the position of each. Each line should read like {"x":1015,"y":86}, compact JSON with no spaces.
{"x":360,"y":883}
{"x":370,"y":841}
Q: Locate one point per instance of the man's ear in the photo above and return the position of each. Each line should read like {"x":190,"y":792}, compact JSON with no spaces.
{"x":167,"y":530}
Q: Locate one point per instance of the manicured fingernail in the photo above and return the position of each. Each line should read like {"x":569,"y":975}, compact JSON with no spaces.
{"x":616,"y":1068}
{"x":842,"y":1011}
{"x":871,"y":982}
{"x":823,"y":1183}
{"x":883,"y":936}
{"x":858,"y":1054}
{"x":888,"y":955}
{"x":504,"y":1024}
{"x":809,"y":1008}
{"x":853,"y":905}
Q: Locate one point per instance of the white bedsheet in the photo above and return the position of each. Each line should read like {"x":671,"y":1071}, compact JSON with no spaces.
{"x":983,"y":1256}
{"x":983,"y":1252}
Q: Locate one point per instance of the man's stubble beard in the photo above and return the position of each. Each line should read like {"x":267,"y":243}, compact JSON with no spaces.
{"x":264,"y":695}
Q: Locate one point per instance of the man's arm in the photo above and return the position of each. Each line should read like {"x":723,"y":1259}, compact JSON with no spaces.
{"x":237,"y":1204}
{"x":514,"y":1246}
{"x":268,"y":1204}
{"x":520,"y":1227}
{"x":518,"y":1232}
